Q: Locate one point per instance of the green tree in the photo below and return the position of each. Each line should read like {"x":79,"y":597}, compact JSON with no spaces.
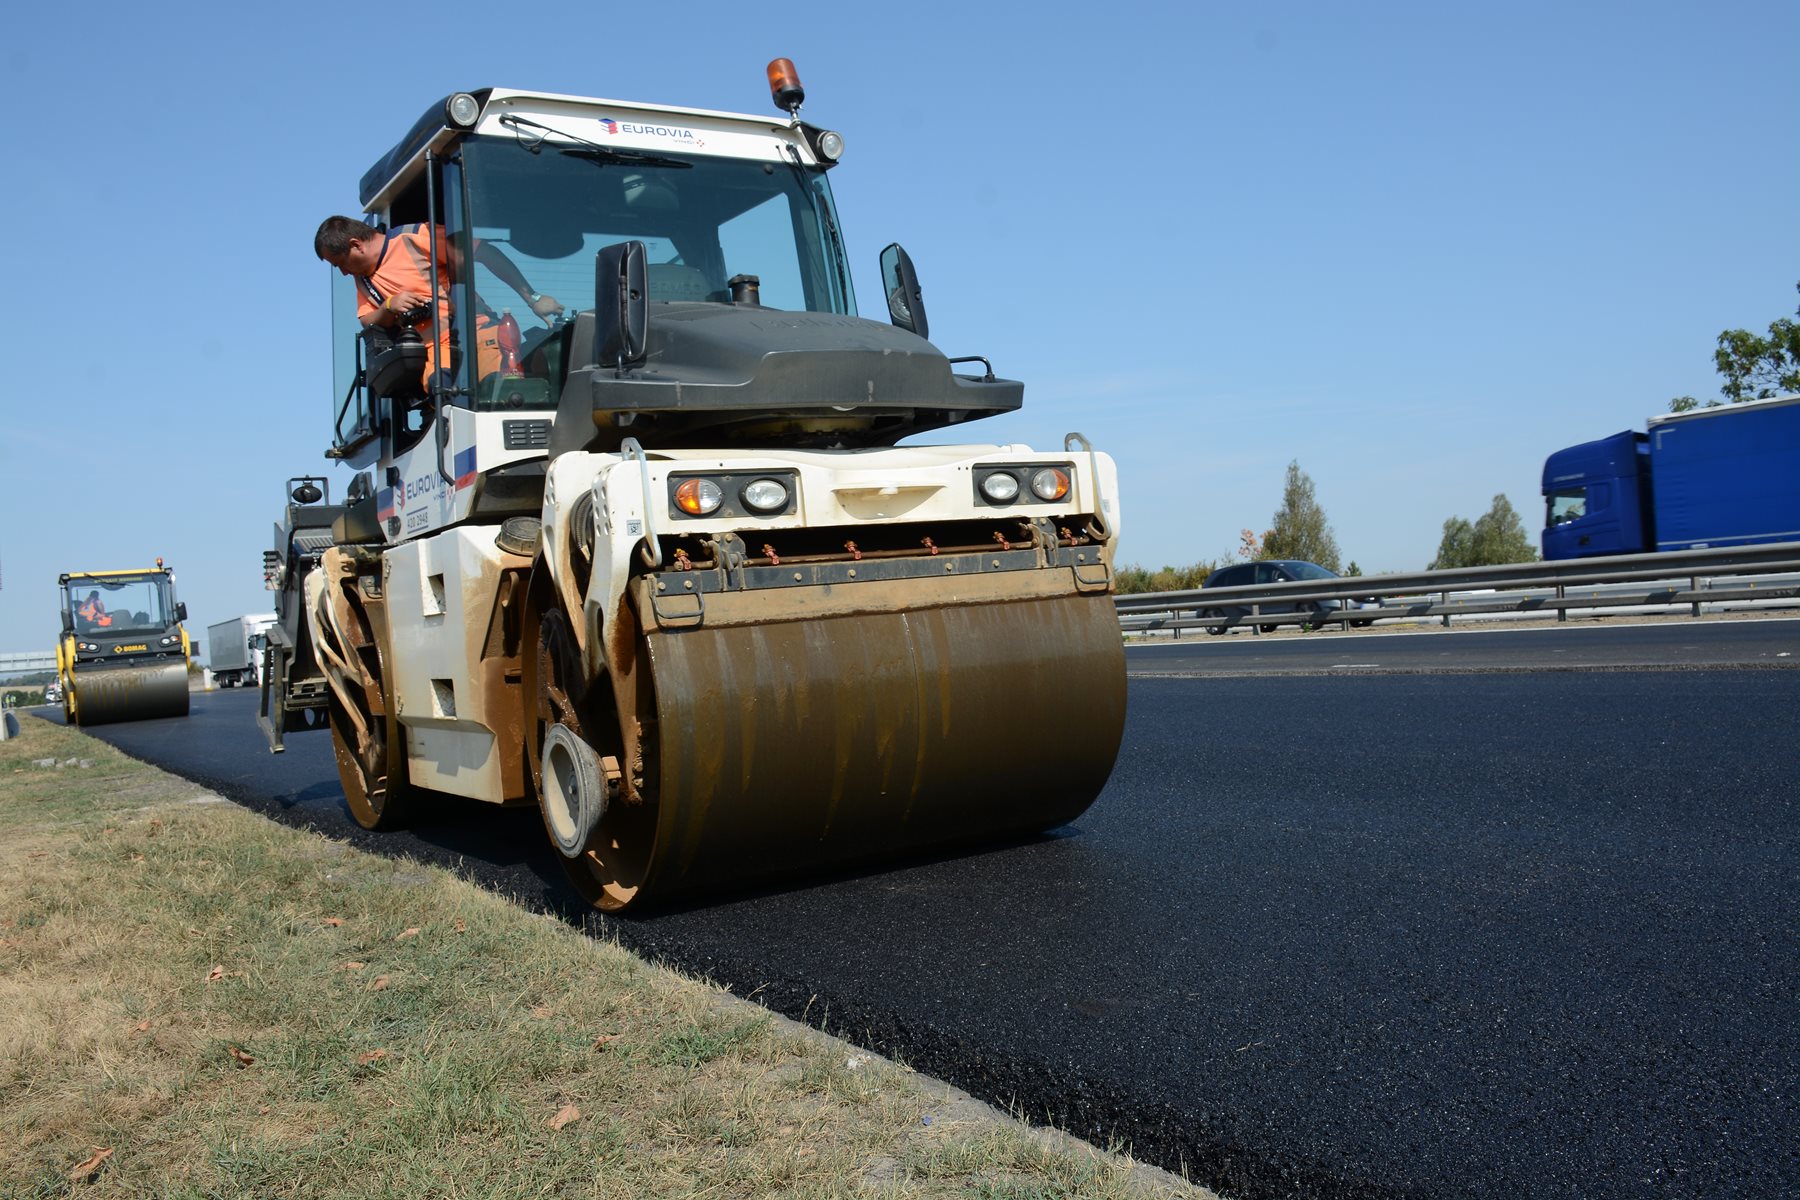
{"x":1497,"y":536}
{"x":1754,"y":367}
{"x":1300,"y":529}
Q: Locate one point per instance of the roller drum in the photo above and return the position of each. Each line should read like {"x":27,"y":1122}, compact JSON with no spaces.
{"x":799,"y":744}
{"x":102,"y":695}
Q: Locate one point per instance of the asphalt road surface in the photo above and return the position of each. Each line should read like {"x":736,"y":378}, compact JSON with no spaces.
{"x":1533,"y":933}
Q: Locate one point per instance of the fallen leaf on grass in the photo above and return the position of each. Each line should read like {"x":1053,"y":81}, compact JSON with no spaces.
{"x":379,"y":982}
{"x":87,"y":1170}
{"x":461,"y":925}
{"x":38,"y":854}
{"x":606,"y":1039}
{"x":406,"y":933}
{"x":564,"y":1116}
{"x":540,"y":1012}
{"x":334,"y":922}
{"x":371,"y":1056}
{"x":352,"y":966}
{"x":142,"y":1026}
{"x":110,"y":829}
{"x":244,"y":1060}
{"x":262,"y":1111}
{"x":137,"y":858}
{"x":216,"y":974}
{"x":155,"y":827}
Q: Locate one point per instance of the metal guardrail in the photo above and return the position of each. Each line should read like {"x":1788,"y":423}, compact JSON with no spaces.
{"x":1581,"y":583}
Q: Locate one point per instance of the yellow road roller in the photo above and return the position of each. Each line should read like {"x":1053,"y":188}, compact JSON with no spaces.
{"x":123,"y":655}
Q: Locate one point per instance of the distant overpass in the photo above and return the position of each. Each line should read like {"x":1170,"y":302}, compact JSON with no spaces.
{"x":28,"y":660}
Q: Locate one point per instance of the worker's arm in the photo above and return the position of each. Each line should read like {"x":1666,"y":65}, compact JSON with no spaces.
{"x":491,"y":257}
{"x":387,"y":312}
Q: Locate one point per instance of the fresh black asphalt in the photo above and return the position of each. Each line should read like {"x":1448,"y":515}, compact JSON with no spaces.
{"x":1521,"y":934}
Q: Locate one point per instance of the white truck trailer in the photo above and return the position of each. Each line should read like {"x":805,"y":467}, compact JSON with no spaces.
{"x":234,"y":648}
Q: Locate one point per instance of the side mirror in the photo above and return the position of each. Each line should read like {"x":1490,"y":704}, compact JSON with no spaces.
{"x":68,"y":621}
{"x":181,"y":610}
{"x":621,"y":305}
{"x":900,"y":284}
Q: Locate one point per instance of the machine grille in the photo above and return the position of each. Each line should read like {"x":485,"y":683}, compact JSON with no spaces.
{"x":526,"y":435}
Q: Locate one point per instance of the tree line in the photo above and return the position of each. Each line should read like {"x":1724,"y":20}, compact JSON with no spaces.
{"x":1300,"y":530}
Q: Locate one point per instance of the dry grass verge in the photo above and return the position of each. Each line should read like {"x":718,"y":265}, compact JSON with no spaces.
{"x":197,"y":1002}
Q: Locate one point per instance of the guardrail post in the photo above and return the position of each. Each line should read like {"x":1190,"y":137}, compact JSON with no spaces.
{"x":1445,"y":597}
{"x":1694,"y":587}
{"x":1562,"y":610}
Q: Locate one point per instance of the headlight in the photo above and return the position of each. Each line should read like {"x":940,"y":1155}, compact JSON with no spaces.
{"x":462,"y":109}
{"x":1050,"y":483}
{"x":90,"y":647}
{"x":1000,"y":487}
{"x":765,"y":495}
{"x":698,"y":497}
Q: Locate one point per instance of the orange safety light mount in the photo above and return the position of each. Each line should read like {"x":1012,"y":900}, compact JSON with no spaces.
{"x":784,"y":86}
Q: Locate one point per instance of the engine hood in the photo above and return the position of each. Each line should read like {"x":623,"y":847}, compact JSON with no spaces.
{"x":737,"y":375}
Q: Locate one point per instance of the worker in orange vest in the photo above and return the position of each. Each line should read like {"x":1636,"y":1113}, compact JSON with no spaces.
{"x":94,"y":612}
{"x":390,"y":269}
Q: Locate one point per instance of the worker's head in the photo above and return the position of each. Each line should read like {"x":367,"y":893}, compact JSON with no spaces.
{"x":350,"y":245}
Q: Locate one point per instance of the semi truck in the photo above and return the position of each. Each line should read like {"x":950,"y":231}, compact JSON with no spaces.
{"x":1710,"y":477}
{"x":656,"y":561}
{"x":234,"y":649}
{"x":123,"y":654}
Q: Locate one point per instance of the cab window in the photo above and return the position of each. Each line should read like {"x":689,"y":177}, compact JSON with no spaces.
{"x":1565,"y":505}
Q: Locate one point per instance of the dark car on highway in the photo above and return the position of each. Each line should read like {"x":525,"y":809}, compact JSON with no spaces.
{"x":1275,"y":570}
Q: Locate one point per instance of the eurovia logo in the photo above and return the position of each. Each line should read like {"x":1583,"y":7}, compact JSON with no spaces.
{"x":669,"y":132}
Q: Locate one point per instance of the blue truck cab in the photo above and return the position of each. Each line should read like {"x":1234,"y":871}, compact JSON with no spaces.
{"x":1711,"y":477}
{"x":1597,"y":497}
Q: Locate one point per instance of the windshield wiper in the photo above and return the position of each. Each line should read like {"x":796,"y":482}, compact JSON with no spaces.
{"x":823,"y":217}
{"x":592,"y":151}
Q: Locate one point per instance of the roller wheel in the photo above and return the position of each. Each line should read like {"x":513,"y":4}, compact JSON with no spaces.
{"x":611,"y":867}
{"x":1214,"y":630}
{"x":370,"y":746}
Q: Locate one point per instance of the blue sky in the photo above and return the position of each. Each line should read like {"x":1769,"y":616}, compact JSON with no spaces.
{"x":1415,"y":247}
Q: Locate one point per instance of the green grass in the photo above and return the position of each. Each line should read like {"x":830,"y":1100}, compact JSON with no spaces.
{"x":234,"y":1008}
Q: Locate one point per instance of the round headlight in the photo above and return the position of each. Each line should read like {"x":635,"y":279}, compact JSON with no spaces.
{"x":831,"y":145}
{"x":1050,"y":483}
{"x":697,"y":497}
{"x":1000,"y":487}
{"x":462,"y":109}
{"x":765,"y":495}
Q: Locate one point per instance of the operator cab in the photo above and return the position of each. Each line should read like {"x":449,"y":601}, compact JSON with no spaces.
{"x":103,"y":609}
{"x":726,"y":217}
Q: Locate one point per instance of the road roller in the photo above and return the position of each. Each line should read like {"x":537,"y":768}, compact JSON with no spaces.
{"x":630,"y":534}
{"x":123,"y":654}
